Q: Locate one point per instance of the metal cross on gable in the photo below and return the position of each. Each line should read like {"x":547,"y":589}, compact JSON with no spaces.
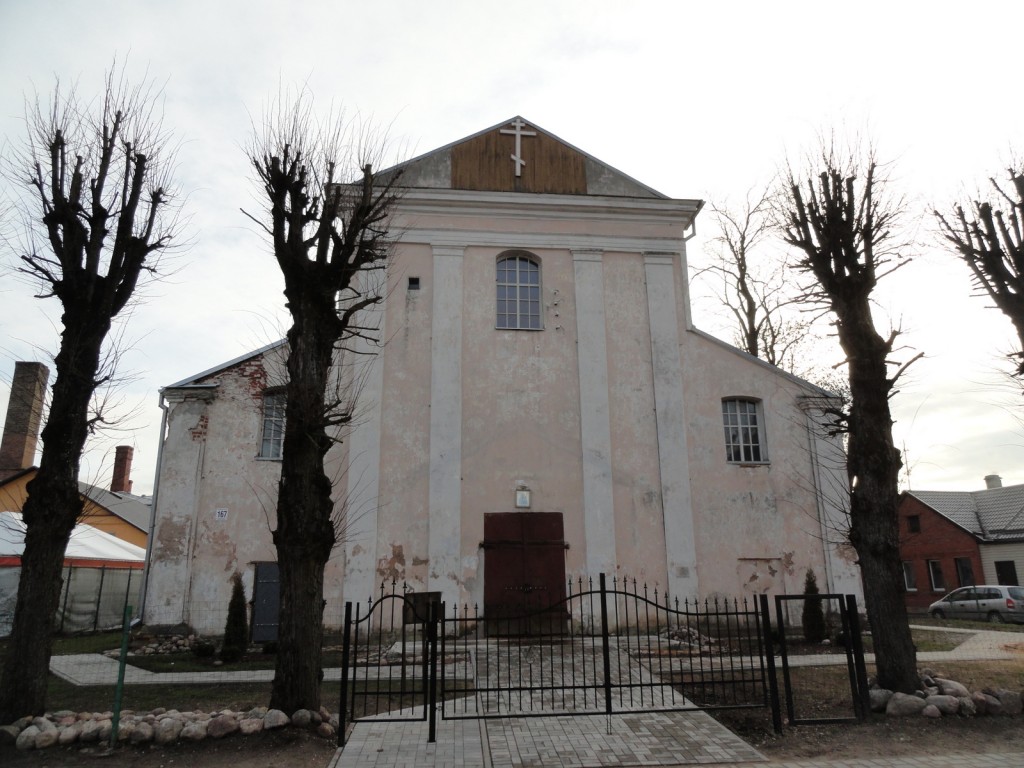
{"x":518,"y":132}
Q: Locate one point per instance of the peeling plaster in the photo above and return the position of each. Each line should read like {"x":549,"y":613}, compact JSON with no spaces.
{"x":171,"y":540}
{"x":393,"y":567}
{"x":847,"y":552}
{"x":788,"y":562}
{"x":199,"y":431}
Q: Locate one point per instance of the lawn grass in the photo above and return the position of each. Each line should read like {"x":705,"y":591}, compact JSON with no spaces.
{"x":204,"y":697}
{"x":927,"y":640}
{"x":928,"y":621}
{"x":189,"y":662}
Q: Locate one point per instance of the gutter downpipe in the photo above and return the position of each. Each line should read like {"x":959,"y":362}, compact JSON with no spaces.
{"x":820,"y":502}
{"x":152,"y":507}
{"x":687,"y":315}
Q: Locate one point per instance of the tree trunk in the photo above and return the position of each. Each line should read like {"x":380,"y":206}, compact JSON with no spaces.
{"x":298,"y":671}
{"x":50,"y":513}
{"x":26,"y":671}
{"x":873,"y":467}
{"x":304,"y":536}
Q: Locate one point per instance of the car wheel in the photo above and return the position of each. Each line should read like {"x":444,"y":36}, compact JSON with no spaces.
{"x":937,"y":614}
{"x":995,"y":617}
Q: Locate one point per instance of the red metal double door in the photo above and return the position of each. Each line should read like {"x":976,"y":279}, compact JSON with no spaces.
{"x":524,"y":572}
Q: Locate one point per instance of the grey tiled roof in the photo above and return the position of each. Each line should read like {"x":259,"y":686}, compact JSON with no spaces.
{"x":129,"y":507}
{"x":994,"y":514}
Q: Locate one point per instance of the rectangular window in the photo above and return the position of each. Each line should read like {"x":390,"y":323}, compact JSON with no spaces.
{"x":935,"y":575}
{"x":743,"y":434}
{"x":964,"y":571}
{"x":914,"y":523}
{"x":272,"y":441}
{"x":1006,"y":573}
{"x":909,"y":579}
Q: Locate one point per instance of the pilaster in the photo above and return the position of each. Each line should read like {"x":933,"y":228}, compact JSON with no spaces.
{"x":595,"y":412}
{"x":676,"y":498}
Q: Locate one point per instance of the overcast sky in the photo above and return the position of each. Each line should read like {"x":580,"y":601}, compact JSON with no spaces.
{"x":695,"y":100}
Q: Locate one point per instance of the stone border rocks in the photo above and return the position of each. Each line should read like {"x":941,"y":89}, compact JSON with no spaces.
{"x":161,"y":726}
{"x":939,"y":696}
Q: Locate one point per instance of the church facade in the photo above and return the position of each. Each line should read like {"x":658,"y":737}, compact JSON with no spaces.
{"x":541,"y":408}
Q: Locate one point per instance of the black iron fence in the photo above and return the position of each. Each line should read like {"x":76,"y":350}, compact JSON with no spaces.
{"x":611,"y":647}
{"x":614,"y":646}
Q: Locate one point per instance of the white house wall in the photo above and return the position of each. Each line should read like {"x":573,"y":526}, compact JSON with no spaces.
{"x":991,"y":553}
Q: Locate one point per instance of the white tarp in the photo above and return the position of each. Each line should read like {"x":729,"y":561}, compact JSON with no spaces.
{"x":92,"y":597}
{"x":86,"y":543}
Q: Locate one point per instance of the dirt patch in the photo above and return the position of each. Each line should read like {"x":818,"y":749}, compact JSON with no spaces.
{"x":879,"y":736}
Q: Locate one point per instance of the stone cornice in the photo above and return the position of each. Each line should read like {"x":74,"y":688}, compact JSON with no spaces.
{"x":540,"y":206}
{"x":454,"y":238}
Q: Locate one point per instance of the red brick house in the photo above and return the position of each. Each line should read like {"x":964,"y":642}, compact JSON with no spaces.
{"x":950,"y":539}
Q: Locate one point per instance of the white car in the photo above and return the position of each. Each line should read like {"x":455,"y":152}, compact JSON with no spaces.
{"x":985,"y":602}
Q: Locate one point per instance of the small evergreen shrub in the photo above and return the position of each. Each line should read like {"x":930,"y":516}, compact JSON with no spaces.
{"x":813,"y":617}
{"x":203,"y":649}
{"x":270,"y":648}
{"x":236,"y":628}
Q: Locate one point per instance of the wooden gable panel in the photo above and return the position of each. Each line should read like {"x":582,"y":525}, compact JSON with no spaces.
{"x":485,"y":163}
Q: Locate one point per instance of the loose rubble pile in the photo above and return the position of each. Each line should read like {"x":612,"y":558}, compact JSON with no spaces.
{"x":688,"y":637}
{"x":149,"y":645}
{"x":939,"y":697}
{"x":160,"y":726}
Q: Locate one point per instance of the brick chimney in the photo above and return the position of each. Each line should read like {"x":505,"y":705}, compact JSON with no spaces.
{"x":24,"y":413}
{"x":993,"y":481}
{"x":121,"y":481}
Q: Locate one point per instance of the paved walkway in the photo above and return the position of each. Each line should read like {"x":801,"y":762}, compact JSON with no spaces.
{"x":664,"y":739}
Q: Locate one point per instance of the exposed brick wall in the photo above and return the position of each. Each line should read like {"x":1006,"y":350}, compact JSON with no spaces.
{"x":252,"y":371}
{"x":121,"y":482}
{"x":24,"y":413}
{"x":939,"y":539}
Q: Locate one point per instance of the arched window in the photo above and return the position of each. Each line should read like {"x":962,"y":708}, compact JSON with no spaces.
{"x":518,"y":286}
{"x":744,"y":434}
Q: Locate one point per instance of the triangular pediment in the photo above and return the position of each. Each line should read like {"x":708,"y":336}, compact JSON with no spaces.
{"x":517,"y":156}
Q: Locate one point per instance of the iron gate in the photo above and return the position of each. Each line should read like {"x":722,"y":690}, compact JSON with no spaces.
{"x":617,"y":647}
{"x":843,"y":640}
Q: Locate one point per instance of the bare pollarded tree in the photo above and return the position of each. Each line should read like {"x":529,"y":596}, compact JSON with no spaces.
{"x":989,"y":236}
{"x":328,"y":233}
{"x":98,"y":212}
{"x":751,"y":285}
{"x":839,"y":216}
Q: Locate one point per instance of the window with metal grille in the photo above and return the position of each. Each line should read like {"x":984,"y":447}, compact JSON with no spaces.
{"x":272,"y":441}
{"x":744,"y":438}
{"x":518,"y":291}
